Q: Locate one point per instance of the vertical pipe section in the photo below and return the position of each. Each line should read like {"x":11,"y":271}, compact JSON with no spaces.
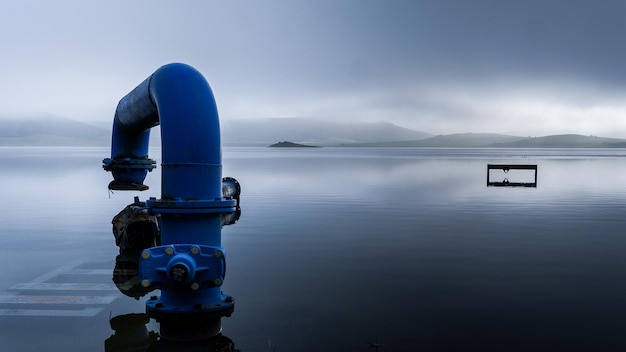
{"x":190,"y":134}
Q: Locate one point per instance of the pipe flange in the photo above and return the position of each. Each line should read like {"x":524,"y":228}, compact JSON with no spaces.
{"x":199,"y":312}
{"x":218,"y":205}
{"x":109,"y":164}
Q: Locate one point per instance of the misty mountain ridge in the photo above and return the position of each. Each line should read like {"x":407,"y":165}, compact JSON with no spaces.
{"x":310,"y":131}
{"x":494,"y":140}
{"x":53,"y":130}
{"x":50,"y":130}
{"x":452,"y":141}
{"x":564,"y":141}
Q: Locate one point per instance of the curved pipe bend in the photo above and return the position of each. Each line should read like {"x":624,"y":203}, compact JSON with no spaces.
{"x":177,"y":97}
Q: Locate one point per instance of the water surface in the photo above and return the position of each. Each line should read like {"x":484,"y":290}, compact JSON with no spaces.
{"x":340,"y":248}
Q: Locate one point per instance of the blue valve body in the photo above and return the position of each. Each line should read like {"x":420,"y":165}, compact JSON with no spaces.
{"x":189,"y":277}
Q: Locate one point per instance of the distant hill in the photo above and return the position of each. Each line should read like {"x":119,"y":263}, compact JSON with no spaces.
{"x":564,"y":141}
{"x":50,"y":130}
{"x":452,"y":141}
{"x":491,"y":140}
{"x":316,"y":132}
{"x":287,"y":144}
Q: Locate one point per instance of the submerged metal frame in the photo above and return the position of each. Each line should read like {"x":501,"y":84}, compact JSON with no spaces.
{"x":506,"y":168}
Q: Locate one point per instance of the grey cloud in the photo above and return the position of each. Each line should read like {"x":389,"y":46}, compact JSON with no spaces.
{"x":410,"y":62}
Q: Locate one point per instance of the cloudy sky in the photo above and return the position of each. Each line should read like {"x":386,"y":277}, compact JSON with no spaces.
{"x":442,"y":66}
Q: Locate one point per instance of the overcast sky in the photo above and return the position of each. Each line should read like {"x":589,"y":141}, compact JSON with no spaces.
{"x":527,"y":68}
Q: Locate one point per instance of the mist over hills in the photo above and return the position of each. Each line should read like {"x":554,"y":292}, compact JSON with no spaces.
{"x":458,"y":140}
{"x":264,"y":132}
{"x":564,"y":141}
{"x":493,"y":140}
{"x":317,"y":132}
{"x":52,"y":130}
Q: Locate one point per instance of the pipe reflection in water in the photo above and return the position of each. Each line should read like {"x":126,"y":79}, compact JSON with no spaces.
{"x":132,"y":335}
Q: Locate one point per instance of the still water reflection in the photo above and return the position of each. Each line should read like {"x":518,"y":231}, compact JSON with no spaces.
{"x":340,"y":250}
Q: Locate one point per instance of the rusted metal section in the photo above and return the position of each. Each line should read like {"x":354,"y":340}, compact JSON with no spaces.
{"x":505,"y":182}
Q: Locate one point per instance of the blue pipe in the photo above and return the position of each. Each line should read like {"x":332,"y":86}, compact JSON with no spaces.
{"x":189,"y":265}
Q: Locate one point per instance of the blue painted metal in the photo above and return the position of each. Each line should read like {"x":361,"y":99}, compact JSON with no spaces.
{"x":182,"y":266}
{"x":189,"y":266}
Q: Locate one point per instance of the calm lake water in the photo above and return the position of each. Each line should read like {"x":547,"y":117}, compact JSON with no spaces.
{"x":340,"y":249}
